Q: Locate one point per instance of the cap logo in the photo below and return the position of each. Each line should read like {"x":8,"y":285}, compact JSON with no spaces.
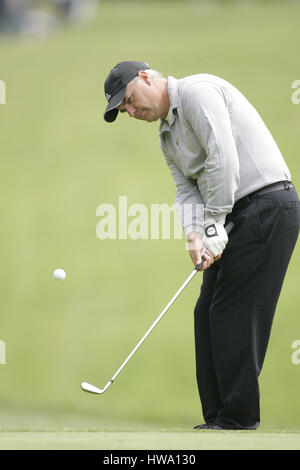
{"x":108,"y":96}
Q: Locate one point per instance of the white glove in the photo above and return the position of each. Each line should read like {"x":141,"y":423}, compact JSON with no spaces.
{"x":215,"y":237}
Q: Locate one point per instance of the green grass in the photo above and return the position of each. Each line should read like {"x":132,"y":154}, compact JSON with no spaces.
{"x":60,"y":160}
{"x":155,"y":440}
{"x":32,"y":429}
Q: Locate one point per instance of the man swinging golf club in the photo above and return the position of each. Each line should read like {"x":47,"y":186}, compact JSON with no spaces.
{"x":221,"y":155}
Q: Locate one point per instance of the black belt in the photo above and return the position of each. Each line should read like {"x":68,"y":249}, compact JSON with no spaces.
{"x":267,"y":189}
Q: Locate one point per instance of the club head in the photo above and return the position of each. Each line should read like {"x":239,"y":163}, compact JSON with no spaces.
{"x":92,"y":389}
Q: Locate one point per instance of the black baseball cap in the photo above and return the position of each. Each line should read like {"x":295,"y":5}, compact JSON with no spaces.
{"x":115,"y":85}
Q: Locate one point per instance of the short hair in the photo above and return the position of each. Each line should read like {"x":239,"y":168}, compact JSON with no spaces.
{"x":152,"y":73}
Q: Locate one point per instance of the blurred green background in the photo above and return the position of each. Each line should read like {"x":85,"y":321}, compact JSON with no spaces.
{"x":60,"y":160}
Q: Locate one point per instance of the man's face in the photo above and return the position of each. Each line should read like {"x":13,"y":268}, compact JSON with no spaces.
{"x":142,"y":99}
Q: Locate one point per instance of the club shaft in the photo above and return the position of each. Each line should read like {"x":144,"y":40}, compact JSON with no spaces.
{"x":91,"y":388}
{"x":155,"y":322}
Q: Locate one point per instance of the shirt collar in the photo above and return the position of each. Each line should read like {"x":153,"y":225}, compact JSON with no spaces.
{"x":170,"y":114}
{"x":165,"y":124}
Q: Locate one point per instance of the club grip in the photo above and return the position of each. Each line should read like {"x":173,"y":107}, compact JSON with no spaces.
{"x":228,"y":228}
{"x":199,"y":266}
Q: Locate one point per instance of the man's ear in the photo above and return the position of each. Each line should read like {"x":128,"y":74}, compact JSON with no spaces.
{"x":144,"y":76}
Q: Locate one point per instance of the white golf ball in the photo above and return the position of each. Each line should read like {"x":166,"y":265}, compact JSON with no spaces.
{"x":59,"y":274}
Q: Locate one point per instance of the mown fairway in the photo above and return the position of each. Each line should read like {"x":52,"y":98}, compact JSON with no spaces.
{"x":59,"y":162}
{"x":155,"y":440}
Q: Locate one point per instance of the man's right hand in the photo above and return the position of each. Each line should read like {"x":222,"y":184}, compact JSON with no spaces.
{"x":197,"y":251}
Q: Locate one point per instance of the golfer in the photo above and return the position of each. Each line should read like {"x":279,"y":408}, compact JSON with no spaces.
{"x":223,"y":157}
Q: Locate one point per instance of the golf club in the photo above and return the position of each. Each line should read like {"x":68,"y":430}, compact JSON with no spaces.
{"x":91,"y":388}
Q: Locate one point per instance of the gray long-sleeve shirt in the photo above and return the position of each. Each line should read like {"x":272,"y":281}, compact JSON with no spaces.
{"x":217,"y":147}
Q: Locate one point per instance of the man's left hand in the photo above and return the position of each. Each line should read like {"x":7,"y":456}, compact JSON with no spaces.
{"x":215,"y":237}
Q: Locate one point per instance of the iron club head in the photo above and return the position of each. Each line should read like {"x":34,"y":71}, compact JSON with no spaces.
{"x":92,"y":389}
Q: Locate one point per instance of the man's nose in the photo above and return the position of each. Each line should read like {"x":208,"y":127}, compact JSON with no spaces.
{"x":130,"y":110}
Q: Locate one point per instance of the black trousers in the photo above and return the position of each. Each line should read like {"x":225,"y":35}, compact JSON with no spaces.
{"x":235,"y":310}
